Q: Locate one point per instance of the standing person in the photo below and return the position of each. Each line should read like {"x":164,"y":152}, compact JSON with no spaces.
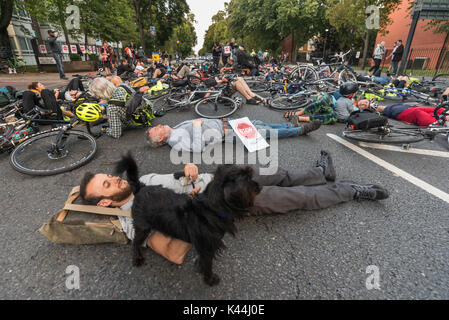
{"x":105,"y":58}
{"x":216,"y":51}
{"x":140,"y":54}
{"x":57,"y":53}
{"x":177,"y":56}
{"x":226,"y":52}
{"x":378,"y":56}
{"x":129,"y":54}
{"x":397,"y":56}
{"x":391,"y":56}
{"x":111,"y":56}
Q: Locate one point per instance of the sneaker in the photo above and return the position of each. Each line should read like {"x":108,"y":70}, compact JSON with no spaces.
{"x":310,"y":126}
{"x":368,"y":191}
{"x":251,"y":101}
{"x":327,"y":165}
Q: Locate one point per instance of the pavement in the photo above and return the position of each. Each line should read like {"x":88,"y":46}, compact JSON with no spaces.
{"x":325,"y":254}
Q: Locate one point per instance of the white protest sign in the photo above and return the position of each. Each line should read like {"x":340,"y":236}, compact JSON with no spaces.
{"x":248,"y":134}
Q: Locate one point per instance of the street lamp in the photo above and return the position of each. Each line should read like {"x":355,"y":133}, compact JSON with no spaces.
{"x":325,"y":37}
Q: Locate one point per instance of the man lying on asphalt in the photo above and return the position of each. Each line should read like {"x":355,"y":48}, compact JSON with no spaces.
{"x":285,"y":191}
{"x":195,"y":135}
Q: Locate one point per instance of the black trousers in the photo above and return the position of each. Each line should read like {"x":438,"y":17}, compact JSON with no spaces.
{"x":289,"y":190}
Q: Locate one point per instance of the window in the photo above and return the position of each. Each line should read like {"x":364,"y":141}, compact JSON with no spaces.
{"x":25,"y":45}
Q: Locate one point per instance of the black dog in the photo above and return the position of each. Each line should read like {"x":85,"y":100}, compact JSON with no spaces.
{"x":201,"y":220}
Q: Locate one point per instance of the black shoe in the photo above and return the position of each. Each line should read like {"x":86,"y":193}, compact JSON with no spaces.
{"x":310,"y":126}
{"x":64,"y":78}
{"x":327,"y":165}
{"x":368,"y":191}
{"x":252,"y":101}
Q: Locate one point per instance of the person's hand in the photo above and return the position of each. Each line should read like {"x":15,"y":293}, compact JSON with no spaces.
{"x":191,"y":171}
{"x":195,"y":191}
{"x":197,"y":123}
{"x":144,"y":89}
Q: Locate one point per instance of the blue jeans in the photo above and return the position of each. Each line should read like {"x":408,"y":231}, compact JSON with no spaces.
{"x":58,"y":59}
{"x":284,"y":130}
{"x":395,"y":66}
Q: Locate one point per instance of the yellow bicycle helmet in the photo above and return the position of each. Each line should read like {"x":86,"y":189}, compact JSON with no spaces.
{"x":89,"y":112}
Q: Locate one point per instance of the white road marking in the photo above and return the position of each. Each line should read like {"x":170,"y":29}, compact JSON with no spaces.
{"x":412,"y":179}
{"x":399,"y":149}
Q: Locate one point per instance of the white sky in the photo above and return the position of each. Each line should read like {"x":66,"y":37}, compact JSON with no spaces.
{"x":203,"y":11}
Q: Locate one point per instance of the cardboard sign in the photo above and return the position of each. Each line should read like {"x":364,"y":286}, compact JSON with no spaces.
{"x":83,"y":49}
{"x":155,"y":57}
{"x":73,"y":48}
{"x":357,"y":55}
{"x":248,"y":134}
{"x":42,"y":48}
{"x":65,"y":48}
{"x":227,"y":50}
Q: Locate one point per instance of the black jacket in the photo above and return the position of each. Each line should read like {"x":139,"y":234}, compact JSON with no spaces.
{"x":397,"y":56}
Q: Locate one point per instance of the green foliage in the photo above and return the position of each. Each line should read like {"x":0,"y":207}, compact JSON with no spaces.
{"x":185,"y":34}
{"x":74,"y":57}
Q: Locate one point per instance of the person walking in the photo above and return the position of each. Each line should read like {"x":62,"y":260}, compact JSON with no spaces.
{"x":56,"y":51}
{"x":378,"y":56}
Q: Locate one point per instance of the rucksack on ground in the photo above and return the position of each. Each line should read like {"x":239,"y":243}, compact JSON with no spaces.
{"x":365,"y":119}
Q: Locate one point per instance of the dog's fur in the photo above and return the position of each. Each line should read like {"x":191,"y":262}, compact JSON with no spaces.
{"x":201,"y":220}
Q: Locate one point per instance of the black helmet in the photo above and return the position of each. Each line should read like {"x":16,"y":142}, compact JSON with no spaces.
{"x":348,"y":88}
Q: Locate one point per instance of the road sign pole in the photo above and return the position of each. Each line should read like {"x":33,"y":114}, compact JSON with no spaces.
{"x":411,"y":33}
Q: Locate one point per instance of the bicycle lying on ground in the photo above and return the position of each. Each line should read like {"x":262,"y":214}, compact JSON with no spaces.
{"x":212,"y":104}
{"x":48,"y":152}
{"x":404,"y":135}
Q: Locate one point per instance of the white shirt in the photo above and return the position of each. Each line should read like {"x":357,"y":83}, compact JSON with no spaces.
{"x":167,"y":181}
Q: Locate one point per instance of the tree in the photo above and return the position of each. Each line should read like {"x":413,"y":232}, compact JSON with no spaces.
{"x":186,"y":35}
{"x":6,"y":9}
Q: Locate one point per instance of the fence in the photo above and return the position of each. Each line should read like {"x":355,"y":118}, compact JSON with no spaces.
{"x":422,"y":61}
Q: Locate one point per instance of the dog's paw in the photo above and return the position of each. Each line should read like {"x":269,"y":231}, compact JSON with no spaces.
{"x":138,"y":261}
{"x":213,"y":280}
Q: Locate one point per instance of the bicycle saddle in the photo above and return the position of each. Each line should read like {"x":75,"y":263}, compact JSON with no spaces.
{"x":42,"y":111}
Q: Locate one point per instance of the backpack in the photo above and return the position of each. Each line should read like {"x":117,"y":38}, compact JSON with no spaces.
{"x":365,"y":119}
{"x":7,"y":95}
{"x":139,"y":82}
{"x":83,"y":224}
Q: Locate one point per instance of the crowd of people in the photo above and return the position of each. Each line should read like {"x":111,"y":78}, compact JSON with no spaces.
{"x":286,"y":190}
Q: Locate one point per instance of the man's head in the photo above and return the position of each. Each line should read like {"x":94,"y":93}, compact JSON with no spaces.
{"x":399,"y":42}
{"x":158,"y":136}
{"x":104,"y":190}
{"x":51,"y":33}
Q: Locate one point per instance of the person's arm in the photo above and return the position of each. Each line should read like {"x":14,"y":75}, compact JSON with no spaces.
{"x":197,"y":132}
{"x":170,"y":248}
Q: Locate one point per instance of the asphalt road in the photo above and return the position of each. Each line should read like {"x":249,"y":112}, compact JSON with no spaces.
{"x":300,"y":255}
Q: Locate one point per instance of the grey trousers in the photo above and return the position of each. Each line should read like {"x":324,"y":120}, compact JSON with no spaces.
{"x":297,"y":190}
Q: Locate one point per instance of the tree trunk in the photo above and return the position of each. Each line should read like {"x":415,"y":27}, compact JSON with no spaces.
{"x":293,"y":54}
{"x":6,"y":8}
{"x":365,"y":50}
{"x":137,"y":10}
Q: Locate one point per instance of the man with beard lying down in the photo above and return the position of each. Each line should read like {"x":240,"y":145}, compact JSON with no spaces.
{"x":282,"y":192}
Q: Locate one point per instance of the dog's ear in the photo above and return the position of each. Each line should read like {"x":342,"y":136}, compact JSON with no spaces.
{"x":247,"y":171}
{"x":128,"y":164}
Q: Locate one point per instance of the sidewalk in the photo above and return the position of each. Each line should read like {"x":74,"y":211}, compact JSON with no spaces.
{"x":21,"y":81}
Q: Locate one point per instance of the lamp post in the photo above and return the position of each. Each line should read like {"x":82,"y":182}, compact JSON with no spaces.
{"x":325,"y":38}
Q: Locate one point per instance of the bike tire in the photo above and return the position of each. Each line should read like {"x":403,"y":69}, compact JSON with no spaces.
{"x":378,"y":135}
{"x":206,"y":108}
{"x":257,"y":86}
{"x":290,"y":103}
{"x":22,"y":157}
{"x":347,"y":76}
{"x":304,"y":73}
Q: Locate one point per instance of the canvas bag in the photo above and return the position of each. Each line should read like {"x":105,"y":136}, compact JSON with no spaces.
{"x":84,"y":224}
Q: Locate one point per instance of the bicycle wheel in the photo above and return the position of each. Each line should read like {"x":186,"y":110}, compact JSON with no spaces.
{"x":347,"y":76}
{"x":304,"y":73}
{"x":216,"y":109}
{"x":39,"y":155}
{"x":257,"y":86}
{"x":384,"y":135}
{"x":290,"y":102}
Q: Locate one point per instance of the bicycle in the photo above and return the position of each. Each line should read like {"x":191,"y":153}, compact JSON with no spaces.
{"x":216,"y":106}
{"x":404,"y":135}
{"x":52,"y":151}
{"x":15,"y":64}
